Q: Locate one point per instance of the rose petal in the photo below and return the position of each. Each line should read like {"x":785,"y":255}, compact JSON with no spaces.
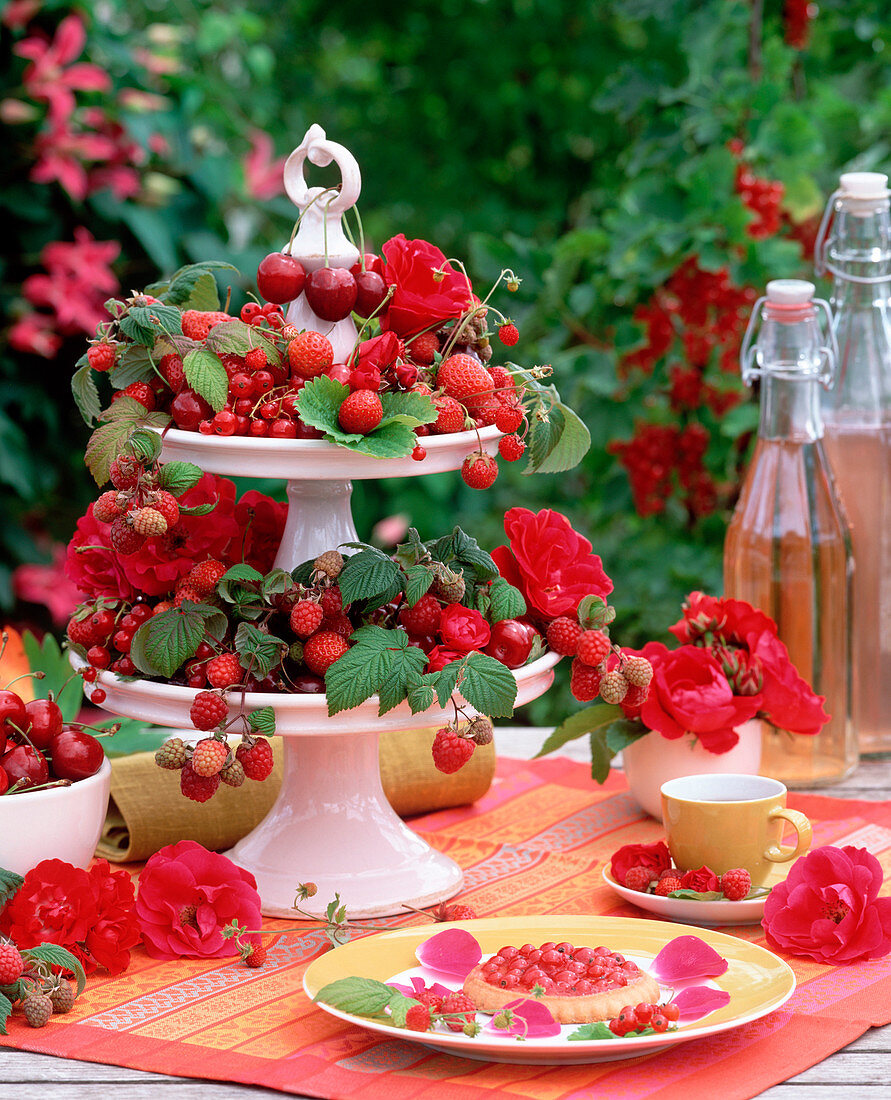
{"x":697,"y":1001}
{"x":532,"y":1020}
{"x":454,"y":952}
{"x":418,"y":985}
{"x":686,"y":958}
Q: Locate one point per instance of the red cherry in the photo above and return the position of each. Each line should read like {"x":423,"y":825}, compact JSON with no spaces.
{"x":23,"y":762}
{"x":372,"y":263}
{"x":331,"y":293}
{"x":44,"y":721}
{"x":340,"y":372}
{"x":511,"y":642}
{"x":4,"y":781}
{"x":280,"y":278}
{"x":12,"y":713}
{"x":370,"y":292}
{"x":306,"y":683}
{"x":188,"y":410}
{"x":76,"y":755}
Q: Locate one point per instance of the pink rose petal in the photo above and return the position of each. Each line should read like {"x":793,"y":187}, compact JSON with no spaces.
{"x":531,"y":1019}
{"x":697,"y":1001}
{"x":687,"y":958}
{"x":418,"y":985}
{"x":453,"y":952}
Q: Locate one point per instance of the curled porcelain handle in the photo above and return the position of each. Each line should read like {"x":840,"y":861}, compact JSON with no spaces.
{"x":779,"y":854}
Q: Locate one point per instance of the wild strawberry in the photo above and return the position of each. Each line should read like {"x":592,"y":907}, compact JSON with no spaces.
{"x":124,"y":472}
{"x":450,"y":415}
{"x":204,"y":577}
{"x":638,"y":878}
{"x":637,"y":671}
{"x":124,"y":537}
{"x":479,"y":470}
{"x":418,"y":453}
{"x":736,"y":884}
{"x":466,"y":379}
{"x":584,"y":681}
{"x":209,"y":756}
{"x":667,"y":885}
{"x":338,"y":624}
{"x":186,"y":593}
{"x":423,"y":348}
{"x":511,"y":448}
{"x":330,"y":563}
{"x":505,"y":387}
{"x":593,"y":646}
{"x":224,"y":670}
{"x":310,"y":354}
{"x":256,"y":759}
{"x":254,"y":952}
{"x":454,"y":912}
{"x":422,"y":617}
{"x":37,"y":1008}
{"x":197,"y":787}
{"x":613,"y":687}
{"x":322,"y":650}
{"x":198,"y":323}
{"x":101,"y":356}
{"x":172,"y":371}
{"x":11,"y":963}
{"x":450,"y":751}
{"x":62,"y":997}
{"x":106,"y":509}
{"x":508,"y":417}
{"x":563,"y":636}
{"x":461,"y":1007}
{"x":173,"y":754}
{"x":208,"y":710}
{"x":418,"y":1018}
{"x":167,"y":504}
{"x":306,"y":616}
{"x":508,"y":334}
{"x":141,"y":392}
{"x":361,"y":412}
{"x":148,"y":522}
{"x":255,"y":359}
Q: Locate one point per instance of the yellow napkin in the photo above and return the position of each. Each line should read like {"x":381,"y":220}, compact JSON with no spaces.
{"x":146,"y":810}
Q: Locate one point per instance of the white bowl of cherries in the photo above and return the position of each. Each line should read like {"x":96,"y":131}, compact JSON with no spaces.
{"x":54,"y":785}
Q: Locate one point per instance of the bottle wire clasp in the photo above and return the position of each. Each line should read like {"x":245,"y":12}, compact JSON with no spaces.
{"x":750,"y":356}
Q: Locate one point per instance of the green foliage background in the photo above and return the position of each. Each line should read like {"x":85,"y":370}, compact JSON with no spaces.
{"x":583,"y":145}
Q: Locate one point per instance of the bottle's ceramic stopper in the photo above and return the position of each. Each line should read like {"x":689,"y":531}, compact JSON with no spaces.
{"x":863,"y":185}
{"x":790,"y":292}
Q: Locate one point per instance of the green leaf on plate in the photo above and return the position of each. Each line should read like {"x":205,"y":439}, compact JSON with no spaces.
{"x":357,"y":996}
{"x":597,"y":1030}
{"x":207,"y":376}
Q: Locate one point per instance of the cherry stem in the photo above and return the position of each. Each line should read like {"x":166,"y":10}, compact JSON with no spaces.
{"x":19,"y":788}
{"x":25,"y":676}
{"x":4,"y":642}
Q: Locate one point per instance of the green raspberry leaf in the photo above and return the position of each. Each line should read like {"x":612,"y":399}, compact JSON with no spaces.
{"x":505,"y":601}
{"x":579,"y":724}
{"x":207,"y":376}
{"x":597,"y":1030}
{"x":488,"y":685}
{"x":143,"y":324}
{"x":189,"y":288}
{"x":85,"y":392}
{"x":379,"y":662}
{"x":178,"y":477}
{"x":697,"y":895}
{"x":111,"y":437}
{"x":594,"y":613}
{"x":164,"y":643}
{"x":417,"y":584}
{"x":420,"y":691}
{"x":257,"y":650}
{"x":5,"y":1012}
{"x":371,"y":576}
{"x":238,"y":338}
{"x":262,"y":721}
{"x":58,"y":956}
{"x":134,"y":364}
{"x":357,"y":996}
{"x":9,"y":885}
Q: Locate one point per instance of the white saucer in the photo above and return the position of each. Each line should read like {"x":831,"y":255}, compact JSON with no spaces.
{"x":688,"y":911}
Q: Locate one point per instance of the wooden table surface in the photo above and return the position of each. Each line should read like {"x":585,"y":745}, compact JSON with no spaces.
{"x":862,"y":1069}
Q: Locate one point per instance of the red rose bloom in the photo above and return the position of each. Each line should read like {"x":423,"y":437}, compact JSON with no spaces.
{"x":262,"y":523}
{"x":655,"y":857}
{"x":440,"y":656}
{"x":787,"y":700}
{"x":463,"y":629}
{"x":93,"y":565}
{"x":690,"y":694}
{"x":108,"y":942}
{"x":550,"y":563}
{"x":419,"y":300}
{"x":187,"y":895}
{"x":380,"y":352}
{"x":730,"y":621}
{"x":828,"y":907}
{"x":55,"y":904}
{"x":702,"y":880}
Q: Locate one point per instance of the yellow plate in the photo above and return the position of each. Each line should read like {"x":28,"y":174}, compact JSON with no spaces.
{"x":758,"y":982}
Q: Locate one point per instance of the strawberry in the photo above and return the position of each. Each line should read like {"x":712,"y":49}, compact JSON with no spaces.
{"x":508,"y":416}
{"x":466,"y":379}
{"x":254,"y":952}
{"x":450,"y":415}
{"x":310,"y":354}
{"x":204,"y":577}
{"x":511,"y":448}
{"x":423,"y":348}
{"x":322,"y":650}
{"x":360,"y":412}
{"x":479,"y":470}
{"x":197,"y":323}
{"x":508,"y":334}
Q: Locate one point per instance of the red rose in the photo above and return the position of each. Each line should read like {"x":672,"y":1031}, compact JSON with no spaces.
{"x":55,"y":904}
{"x":702,"y":880}
{"x":187,"y":895}
{"x":93,"y":565}
{"x":730,"y":621}
{"x":108,"y":942}
{"x":787,"y":700}
{"x":419,"y":300}
{"x":550,"y":563}
{"x":828,"y":907}
{"x":262,"y":523}
{"x":440,"y":656}
{"x":690,"y":694}
{"x":655,"y":857}
{"x":380,"y":351}
{"x":463,"y":629}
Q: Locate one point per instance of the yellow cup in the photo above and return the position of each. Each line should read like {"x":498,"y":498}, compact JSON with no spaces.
{"x":727,"y":820}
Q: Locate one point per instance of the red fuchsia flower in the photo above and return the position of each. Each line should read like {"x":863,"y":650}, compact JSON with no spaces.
{"x":655,"y":857}
{"x":88,"y":912}
{"x":77,"y":282}
{"x":53,"y":77}
{"x":187,"y":896}
{"x":62,"y":155}
{"x":828,"y":908}
{"x":261,"y":522}
{"x":689,"y":693}
{"x":463,"y":629}
{"x":263,"y":174}
{"x":550,"y":563}
{"x":421,"y":297}
{"x":703,"y":879}
{"x":35,"y":334}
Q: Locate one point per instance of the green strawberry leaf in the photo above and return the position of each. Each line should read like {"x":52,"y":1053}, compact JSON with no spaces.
{"x":409,"y":408}
{"x":188,"y":287}
{"x":143,"y":324}
{"x":207,"y":376}
{"x":598,"y":1030}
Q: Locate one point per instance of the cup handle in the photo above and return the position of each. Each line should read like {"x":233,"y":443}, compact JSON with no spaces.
{"x":778,"y":854}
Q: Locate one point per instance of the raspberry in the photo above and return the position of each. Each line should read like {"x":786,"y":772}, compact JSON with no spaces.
{"x":330,"y":563}
{"x":479,"y":470}
{"x":736,"y":884}
{"x":141,"y":392}
{"x":637,"y":878}
{"x":584,"y":681}
{"x":172,"y":371}
{"x":634,"y":700}
{"x":209,"y":756}
{"x":101,"y":356}
{"x":448,"y":585}
{"x":331,"y":600}
{"x":667,"y":885}
{"x":613,"y":687}
{"x":418,"y":1018}
{"x":256,"y":759}
{"x":232,"y":774}
{"x":208,"y":711}
{"x":466,"y":379}
{"x":124,"y":472}
{"x":508,"y":417}
{"x":563,"y":636}
{"x":423,"y":348}
{"x":148,"y":522}
{"x":458,"y":1003}
{"x":173,"y":754}
{"x":361,"y":412}
{"x":197,"y":323}
{"x":224,"y":671}
{"x":166,"y":503}
{"x":124,"y":537}
{"x":637,"y":671}
{"x":310,"y":354}
{"x":322,"y":650}
{"x":197,"y":787}
{"x":38,"y":1008}
{"x":450,"y":415}
{"x":11,"y":963}
{"x":450,"y":752}
{"x":205,"y":576}
{"x":593,"y":646}
{"x":422,"y":617}
{"x":62,"y":997}
{"x":105,"y":509}
{"x":508,"y":334}
{"x":254,"y":952}
{"x":306,"y":617}
{"x":511,"y":448}
{"x":480,"y":731}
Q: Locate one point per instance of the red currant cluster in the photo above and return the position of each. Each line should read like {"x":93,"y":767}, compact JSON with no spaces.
{"x":559,"y":969}
{"x":103,"y":633}
{"x":763,"y":197}
{"x":643,"y":1017}
{"x":661,"y":459}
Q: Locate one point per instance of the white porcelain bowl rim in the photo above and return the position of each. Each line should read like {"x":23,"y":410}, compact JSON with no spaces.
{"x":62,"y":792}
